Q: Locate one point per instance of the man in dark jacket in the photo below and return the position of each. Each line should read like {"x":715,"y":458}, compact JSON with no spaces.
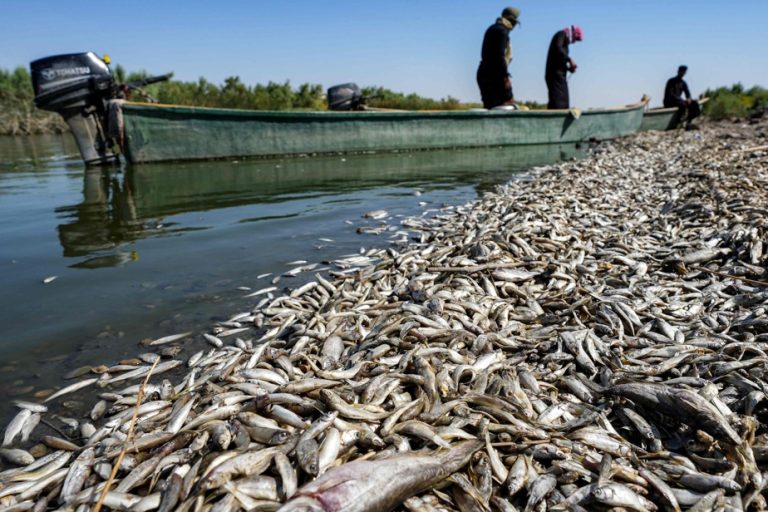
{"x":559,"y":64}
{"x":677,"y":94}
{"x":492,"y":74}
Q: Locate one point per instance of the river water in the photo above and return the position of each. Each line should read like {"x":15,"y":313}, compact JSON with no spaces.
{"x":151,"y":250}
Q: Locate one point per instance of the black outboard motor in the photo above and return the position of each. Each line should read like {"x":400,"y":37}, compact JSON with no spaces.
{"x":345,"y":97}
{"x":77,"y":86}
{"x":80,"y":87}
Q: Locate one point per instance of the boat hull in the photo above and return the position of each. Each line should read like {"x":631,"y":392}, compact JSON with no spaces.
{"x":660,"y":119}
{"x":156,"y":133}
{"x":663,"y":118}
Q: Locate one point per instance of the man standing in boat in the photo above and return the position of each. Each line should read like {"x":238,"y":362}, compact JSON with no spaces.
{"x":677,"y":94}
{"x":492,"y":74}
{"x":559,"y":63}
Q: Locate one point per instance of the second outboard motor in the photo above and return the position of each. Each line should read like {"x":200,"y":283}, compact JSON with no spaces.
{"x":345,"y":97}
{"x":77,"y":86}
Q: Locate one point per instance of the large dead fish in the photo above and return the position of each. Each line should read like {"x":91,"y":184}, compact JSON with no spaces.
{"x":379,"y":485}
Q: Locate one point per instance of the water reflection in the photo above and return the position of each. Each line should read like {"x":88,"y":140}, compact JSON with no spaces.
{"x":105,"y":219}
{"x":29,"y":152}
{"x":120,"y":207}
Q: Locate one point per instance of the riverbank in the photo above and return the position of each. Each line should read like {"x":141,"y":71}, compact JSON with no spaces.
{"x":599,"y":329}
{"x":30,"y":121}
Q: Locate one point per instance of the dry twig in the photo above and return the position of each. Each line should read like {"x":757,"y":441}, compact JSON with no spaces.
{"x":128,"y":439}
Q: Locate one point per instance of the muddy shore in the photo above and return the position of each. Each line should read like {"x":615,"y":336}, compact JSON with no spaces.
{"x":641,"y":267}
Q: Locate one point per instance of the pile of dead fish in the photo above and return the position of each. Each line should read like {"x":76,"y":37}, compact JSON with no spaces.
{"x":593,"y":339}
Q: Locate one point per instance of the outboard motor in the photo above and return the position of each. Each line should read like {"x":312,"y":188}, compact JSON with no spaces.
{"x":80,"y":87}
{"x":345,"y":97}
{"x":77,"y":86}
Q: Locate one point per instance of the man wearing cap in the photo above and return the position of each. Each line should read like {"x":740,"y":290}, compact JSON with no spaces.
{"x":559,"y":64}
{"x":492,"y":74}
{"x":677,"y":94}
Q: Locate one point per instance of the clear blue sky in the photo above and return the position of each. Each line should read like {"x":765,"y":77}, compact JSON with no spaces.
{"x":423,"y":46}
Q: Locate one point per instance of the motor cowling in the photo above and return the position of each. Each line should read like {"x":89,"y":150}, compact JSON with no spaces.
{"x":69,"y":81}
{"x":77,"y":86}
{"x":345,"y":97}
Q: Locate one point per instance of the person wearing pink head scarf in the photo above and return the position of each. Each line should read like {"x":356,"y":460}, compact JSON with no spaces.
{"x":559,"y":63}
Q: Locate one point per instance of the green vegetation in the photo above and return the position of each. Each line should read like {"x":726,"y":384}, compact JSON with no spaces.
{"x":18,"y":114}
{"x":233,"y":93}
{"x":275,"y":96}
{"x":380,"y":97}
{"x":735,"y":101}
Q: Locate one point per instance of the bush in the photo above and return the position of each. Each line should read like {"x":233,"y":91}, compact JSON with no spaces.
{"x":724,"y":106}
{"x":735,"y":101}
{"x":385,"y":98}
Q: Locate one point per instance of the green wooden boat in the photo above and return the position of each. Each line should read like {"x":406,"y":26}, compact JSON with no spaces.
{"x":157,"y":133}
{"x":663,"y":118}
{"x":81,"y":88}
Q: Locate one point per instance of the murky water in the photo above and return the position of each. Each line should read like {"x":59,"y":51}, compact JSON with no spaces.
{"x":151,"y":250}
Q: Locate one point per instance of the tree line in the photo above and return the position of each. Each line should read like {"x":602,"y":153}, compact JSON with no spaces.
{"x":18,"y":114}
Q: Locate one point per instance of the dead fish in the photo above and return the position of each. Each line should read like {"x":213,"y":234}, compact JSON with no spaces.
{"x":21,"y":404}
{"x":376,"y":214}
{"x":73,"y":387}
{"x":618,"y":495}
{"x":77,"y":475}
{"x":17,"y":456}
{"x":380,"y":485}
{"x":246,"y":464}
{"x":16,"y":425}
{"x":213,"y":340}
{"x":262,"y":291}
{"x":167,"y":339}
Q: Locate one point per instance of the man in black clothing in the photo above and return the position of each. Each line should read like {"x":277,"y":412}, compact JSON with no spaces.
{"x":677,"y":94}
{"x":559,"y":64}
{"x":492,"y":74}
